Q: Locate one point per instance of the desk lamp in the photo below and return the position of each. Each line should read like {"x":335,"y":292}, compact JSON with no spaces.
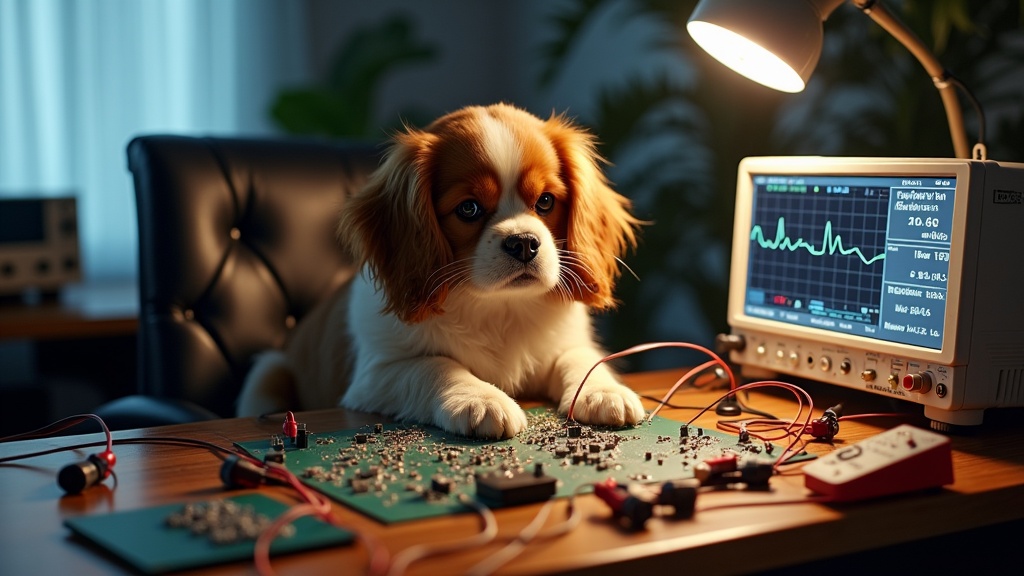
{"x":777,"y":43}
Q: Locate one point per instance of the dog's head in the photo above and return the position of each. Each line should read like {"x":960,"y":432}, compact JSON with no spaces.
{"x":491,"y":200}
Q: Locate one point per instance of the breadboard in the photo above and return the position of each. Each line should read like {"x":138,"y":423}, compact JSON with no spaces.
{"x":903,"y":459}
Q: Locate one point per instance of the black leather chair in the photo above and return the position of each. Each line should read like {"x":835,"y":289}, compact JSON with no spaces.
{"x":237,"y":242}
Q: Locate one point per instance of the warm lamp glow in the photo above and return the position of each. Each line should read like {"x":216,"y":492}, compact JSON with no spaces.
{"x":746,"y":57}
{"x":778,"y":42}
{"x":775,"y":43}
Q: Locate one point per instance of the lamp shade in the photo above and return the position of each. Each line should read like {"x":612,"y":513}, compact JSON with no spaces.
{"x":776,"y":43}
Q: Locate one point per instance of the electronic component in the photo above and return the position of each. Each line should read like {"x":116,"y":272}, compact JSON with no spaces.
{"x":275,"y":456}
{"x":826,"y":427}
{"x":680,"y":495}
{"x":38,"y":244}
{"x":76,"y":477}
{"x":290,"y":428}
{"x":728,"y":469}
{"x":441,"y":484}
{"x":633,"y":505}
{"x":712,"y":467}
{"x":497,"y":489}
{"x":302,"y":436}
{"x":223,"y":522}
{"x":902,"y":459}
{"x":276,"y":442}
{"x":236,"y":472}
{"x":632,"y":509}
{"x":877,"y":274}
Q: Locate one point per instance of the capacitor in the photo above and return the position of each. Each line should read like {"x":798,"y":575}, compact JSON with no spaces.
{"x":290,"y":428}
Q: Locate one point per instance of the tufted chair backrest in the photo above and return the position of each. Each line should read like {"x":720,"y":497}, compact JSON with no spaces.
{"x":237,"y":242}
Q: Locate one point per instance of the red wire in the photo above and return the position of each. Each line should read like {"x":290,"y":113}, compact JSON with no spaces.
{"x":800,"y":395}
{"x":643,"y":348}
{"x":314,"y":505}
{"x":798,"y":392}
{"x":758,"y":428}
{"x":685,"y":377}
{"x":873,"y":415}
{"x":60,"y":426}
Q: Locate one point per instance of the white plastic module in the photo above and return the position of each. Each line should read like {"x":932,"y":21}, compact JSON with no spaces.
{"x":902,"y":459}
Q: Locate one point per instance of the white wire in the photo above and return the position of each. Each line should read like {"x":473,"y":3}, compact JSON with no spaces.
{"x":406,"y":557}
{"x":530,"y":532}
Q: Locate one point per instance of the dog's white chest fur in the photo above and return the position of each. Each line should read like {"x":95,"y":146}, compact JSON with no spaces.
{"x":508,"y":342}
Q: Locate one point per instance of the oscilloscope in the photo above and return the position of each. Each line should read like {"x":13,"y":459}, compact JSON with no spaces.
{"x":901,"y":277}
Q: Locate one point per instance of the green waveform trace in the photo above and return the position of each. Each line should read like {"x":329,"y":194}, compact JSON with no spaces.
{"x":830,"y":243}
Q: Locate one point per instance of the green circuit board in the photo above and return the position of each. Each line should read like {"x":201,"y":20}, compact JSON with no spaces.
{"x":399,"y":472}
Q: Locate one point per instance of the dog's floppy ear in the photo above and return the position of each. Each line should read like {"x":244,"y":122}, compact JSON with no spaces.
{"x":390,"y":225}
{"x":601,"y":228}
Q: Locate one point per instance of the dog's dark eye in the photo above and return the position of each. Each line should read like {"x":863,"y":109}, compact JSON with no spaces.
{"x":469,"y":210}
{"x":545,"y":203}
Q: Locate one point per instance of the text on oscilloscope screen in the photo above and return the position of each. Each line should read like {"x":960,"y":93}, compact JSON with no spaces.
{"x":862,"y":255}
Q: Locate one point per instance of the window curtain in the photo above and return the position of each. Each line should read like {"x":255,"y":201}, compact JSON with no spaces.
{"x":80,"y":78}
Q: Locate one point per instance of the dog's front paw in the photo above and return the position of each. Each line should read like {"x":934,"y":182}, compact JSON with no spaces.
{"x":483,"y":411}
{"x":604,"y":403}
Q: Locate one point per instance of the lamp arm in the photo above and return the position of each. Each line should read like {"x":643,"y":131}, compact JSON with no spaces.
{"x":940,"y":76}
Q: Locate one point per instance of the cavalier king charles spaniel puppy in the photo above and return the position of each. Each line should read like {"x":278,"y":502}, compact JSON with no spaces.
{"x":485,"y":240}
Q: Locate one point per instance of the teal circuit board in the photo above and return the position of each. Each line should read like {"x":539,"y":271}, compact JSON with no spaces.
{"x":400,"y":472}
{"x":149,"y":541}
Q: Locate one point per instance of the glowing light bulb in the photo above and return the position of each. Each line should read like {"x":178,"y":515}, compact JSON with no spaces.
{"x":745,"y":57}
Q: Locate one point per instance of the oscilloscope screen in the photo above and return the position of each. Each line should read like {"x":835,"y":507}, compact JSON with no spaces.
{"x":861,"y":255}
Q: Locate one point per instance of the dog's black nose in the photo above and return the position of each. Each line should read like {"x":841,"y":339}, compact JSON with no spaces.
{"x":522,"y":247}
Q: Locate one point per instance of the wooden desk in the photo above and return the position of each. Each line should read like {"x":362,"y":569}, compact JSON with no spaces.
{"x":989,"y":489}
{"x":84,"y":310}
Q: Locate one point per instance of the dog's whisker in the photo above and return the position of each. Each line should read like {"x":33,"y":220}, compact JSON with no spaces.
{"x":457,"y":264}
{"x":575,"y":259}
{"x":452,"y":274}
{"x":438,"y":282}
{"x":563,"y":289}
{"x":570,"y":274}
{"x":626,"y":266}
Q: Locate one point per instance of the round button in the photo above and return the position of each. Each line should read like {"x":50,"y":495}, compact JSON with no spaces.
{"x":825,"y":363}
{"x":868,"y":375}
{"x":920,"y":382}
